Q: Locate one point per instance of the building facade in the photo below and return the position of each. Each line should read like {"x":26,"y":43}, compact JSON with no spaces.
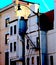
{"x":26,"y":46}
{"x":11,"y":48}
{"x":7,"y":14}
{"x":51,"y":41}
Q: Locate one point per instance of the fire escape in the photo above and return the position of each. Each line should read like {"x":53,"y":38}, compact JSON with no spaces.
{"x":36,"y":47}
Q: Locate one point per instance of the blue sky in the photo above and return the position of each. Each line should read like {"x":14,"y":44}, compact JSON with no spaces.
{"x":4,"y":3}
{"x":45,"y":5}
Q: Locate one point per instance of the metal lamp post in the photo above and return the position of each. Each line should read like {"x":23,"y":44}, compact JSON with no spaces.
{"x":38,"y":15}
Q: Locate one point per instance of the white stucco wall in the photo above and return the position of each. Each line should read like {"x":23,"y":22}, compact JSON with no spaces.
{"x":12,"y":39}
{"x":32,"y":27}
{"x":15,"y":38}
{"x":51,"y":44}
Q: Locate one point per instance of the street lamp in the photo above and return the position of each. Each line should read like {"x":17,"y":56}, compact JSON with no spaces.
{"x":26,"y":5}
{"x":38,"y":15}
{"x":32,"y":10}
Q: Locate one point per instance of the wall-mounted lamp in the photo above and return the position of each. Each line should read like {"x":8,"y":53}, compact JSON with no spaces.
{"x":19,"y":7}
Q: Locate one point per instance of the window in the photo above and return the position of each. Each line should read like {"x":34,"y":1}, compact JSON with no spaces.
{"x":10,"y":47}
{"x":32,"y":60}
{"x":14,"y":29}
{"x":11,"y":30}
{"x":46,"y":59}
{"x":14,"y":46}
{"x":37,"y":60}
{"x":6,"y":38}
{"x":37,"y":42}
{"x":51,"y":60}
{"x":13,"y":62}
{"x":27,"y":43}
{"x":6,"y":22}
{"x":27,"y":61}
{"x":6,"y":58}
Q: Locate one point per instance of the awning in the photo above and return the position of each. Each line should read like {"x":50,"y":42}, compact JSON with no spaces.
{"x":47,"y":20}
{"x":50,"y":15}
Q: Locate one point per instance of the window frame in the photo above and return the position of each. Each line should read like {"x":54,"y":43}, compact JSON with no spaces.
{"x":38,"y":59}
{"x":37,"y":42}
{"x":14,"y":46}
{"x":32,"y":60}
{"x":10,"y":47}
{"x":6,"y":58}
{"x":51,"y":60}
{"x":6,"y":40}
{"x":15,"y":29}
{"x":28,"y":59}
{"x":7,"y":22}
{"x":11,"y":30}
{"x":27,"y":44}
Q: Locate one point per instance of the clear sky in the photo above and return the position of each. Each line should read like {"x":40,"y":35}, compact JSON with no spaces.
{"x":45,"y":5}
{"x":4,"y":3}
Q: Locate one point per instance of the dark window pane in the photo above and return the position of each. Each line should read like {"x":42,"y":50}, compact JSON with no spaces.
{"x":27,"y":61}
{"x":14,"y":29}
{"x":6,"y":39}
{"x":32,"y":60}
{"x":6,"y":58}
{"x":51,"y":60}
{"x":46,"y":61}
{"x":12,"y":62}
{"x":10,"y":47}
{"x":14,"y":46}
{"x":37,"y":60}
{"x":27,"y":44}
{"x":11,"y":30}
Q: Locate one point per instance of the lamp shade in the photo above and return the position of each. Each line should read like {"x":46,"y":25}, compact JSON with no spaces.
{"x":22,"y":26}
